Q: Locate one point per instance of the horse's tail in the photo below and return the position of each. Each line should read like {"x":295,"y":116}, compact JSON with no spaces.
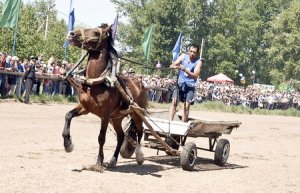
{"x":132,"y":129}
{"x":130,"y":140}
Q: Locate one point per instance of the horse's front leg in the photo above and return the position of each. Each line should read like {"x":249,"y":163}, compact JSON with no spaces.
{"x":117,"y":124}
{"x":79,"y":110}
{"x":101,"y":141}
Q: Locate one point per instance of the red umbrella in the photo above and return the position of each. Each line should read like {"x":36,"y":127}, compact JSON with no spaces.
{"x":220,"y":78}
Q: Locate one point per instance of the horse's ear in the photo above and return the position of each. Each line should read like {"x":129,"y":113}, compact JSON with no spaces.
{"x":107,"y":29}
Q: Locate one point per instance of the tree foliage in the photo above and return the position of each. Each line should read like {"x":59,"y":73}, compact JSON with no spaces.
{"x":240,"y":35}
{"x":31,"y":36}
{"x":284,"y":40}
{"x":168,"y":19}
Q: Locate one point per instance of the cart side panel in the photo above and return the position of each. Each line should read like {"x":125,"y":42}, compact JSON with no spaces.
{"x":200,"y":128}
{"x":168,"y":127}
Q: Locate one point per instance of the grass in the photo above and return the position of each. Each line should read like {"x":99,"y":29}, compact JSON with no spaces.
{"x":45,"y":99}
{"x":53,"y":99}
{"x":218,"y":106}
{"x":221,"y":107}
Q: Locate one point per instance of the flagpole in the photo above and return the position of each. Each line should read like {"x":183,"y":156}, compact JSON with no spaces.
{"x":70,"y":27}
{"x":66,"y":51}
{"x":15,"y":33}
{"x":15,"y":40}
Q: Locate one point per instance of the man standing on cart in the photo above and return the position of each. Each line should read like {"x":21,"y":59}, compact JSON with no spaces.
{"x":189,"y":67}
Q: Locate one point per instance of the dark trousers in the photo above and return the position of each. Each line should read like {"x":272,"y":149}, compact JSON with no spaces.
{"x":38,"y":85}
{"x":28,"y":88}
{"x":3,"y":85}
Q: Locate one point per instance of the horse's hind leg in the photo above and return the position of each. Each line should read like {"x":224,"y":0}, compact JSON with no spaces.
{"x":117,"y":124}
{"x":66,"y":132}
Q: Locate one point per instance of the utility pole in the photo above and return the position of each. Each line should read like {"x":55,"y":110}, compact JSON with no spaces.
{"x":50,"y":6}
{"x":47,"y":20}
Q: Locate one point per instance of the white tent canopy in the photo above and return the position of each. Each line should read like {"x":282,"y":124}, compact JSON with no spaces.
{"x":220,"y":78}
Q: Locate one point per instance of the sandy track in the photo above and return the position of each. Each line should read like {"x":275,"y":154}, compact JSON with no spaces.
{"x":264,"y":156}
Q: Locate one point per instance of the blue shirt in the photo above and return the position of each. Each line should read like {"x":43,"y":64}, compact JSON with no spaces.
{"x":21,"y":68}
{"x":184,"y":77}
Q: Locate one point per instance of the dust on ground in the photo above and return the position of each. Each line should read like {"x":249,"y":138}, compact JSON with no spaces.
{"x":264,"y":156}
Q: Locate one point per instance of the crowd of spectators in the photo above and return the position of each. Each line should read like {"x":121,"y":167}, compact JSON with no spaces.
{"x":15,"y":84}
{"x":252,"y":96}
{"x":159,"y":89}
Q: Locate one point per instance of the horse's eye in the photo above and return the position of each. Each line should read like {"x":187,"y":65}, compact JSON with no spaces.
{"x":72,"y":33}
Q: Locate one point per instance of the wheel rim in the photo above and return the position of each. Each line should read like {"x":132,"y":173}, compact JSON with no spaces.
{"x":192,"y":157}
{"x":225,"y":153}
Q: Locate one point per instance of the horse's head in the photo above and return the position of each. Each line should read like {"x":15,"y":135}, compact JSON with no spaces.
{"x":90,"y":39}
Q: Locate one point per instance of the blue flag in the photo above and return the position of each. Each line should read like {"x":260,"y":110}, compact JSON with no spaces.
{"x":176,"y":49}
{"x":115,"y":28}
{"x":70,"y":22}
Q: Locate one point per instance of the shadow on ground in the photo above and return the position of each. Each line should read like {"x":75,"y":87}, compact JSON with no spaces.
{"x":163,"y":163}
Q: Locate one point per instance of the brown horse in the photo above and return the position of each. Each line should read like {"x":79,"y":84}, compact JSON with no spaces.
{"x":104,"y":101}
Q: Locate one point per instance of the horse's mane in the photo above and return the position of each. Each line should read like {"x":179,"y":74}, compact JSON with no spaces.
{"x":110,"y":40}
{"x":143,"y":102}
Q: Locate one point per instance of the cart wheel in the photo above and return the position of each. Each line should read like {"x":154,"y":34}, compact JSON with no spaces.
{"x":188,"y":156}
{"x":129,"y":144}
{"x":222,"y":152}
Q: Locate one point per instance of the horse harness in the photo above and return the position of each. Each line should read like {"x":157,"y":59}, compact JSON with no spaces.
{"x":109,"y":77}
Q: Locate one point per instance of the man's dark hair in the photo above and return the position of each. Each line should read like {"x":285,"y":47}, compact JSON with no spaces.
{"x":194,"y":46}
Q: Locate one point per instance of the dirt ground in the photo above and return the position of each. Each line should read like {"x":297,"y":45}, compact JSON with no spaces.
{"x":264,"y":156}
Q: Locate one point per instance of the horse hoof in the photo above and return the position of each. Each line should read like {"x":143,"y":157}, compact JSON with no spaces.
{"x":69,"y":148}
{"x":139,"y":155}
{"x":140,"y":161}
{"x":112,"y":163}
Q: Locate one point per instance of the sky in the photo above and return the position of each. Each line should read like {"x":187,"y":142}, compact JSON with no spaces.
{"x":90,"y":13}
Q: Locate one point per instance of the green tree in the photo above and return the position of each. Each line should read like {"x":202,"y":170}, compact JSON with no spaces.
{"x":284,"y":40}
{"x":240,"y":35}
{"x":237,"y":38}
{"x":267,"y":10}
{"x":276,"y":77}
{"x":31,"y":35}
{"x":222,"y":53}
{"x":168,"y":19}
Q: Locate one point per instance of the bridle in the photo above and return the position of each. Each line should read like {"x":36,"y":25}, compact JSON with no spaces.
{"x":83,"y":39}
{"x":96,"y":39}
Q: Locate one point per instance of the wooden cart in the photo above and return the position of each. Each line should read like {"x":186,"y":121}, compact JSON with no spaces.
{"x":168,"y":136}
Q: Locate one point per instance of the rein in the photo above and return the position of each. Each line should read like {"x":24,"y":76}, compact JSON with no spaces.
{"x":99,"y":40}
{"x":141,"y":64}
{"x":83,"y":56}
{"x":77,"y":64}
